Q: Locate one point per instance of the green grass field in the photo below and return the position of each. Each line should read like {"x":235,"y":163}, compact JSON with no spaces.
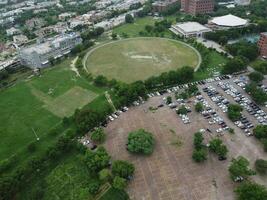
{"x":132,"y":30}
{"x":139,"y":58}
{"x":39,"y":104}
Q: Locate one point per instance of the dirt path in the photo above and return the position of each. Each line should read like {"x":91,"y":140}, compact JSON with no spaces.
{"x":73,"y":68}
{"x":109,"y":100}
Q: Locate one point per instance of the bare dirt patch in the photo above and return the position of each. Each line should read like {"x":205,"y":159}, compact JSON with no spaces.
{"x":169,"y":173}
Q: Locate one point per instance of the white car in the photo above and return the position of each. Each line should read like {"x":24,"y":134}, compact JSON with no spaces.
{"x":110,"y":118}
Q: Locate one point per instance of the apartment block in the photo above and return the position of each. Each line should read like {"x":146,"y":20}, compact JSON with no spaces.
{"x":262,"y":44}
{"x":195,"y":7}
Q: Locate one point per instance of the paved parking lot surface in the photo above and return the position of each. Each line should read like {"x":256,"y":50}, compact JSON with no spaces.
{"x":169,"y":173}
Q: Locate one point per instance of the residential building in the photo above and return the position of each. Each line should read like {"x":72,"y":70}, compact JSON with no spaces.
{"x":189,"y":29}
{"x":12,"y":31}
{"x":40,"y":54}
{"x":161,"y":6}
{"x":34,"y":23}
{"x":20,"y":39}
{"x":262,"y":44}
{"x":195,"y":7}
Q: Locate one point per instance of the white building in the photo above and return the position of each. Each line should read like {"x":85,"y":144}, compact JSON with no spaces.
{"x":189,"y":29}
{"x":12,"y":31}
{"x":228,"y":21}
{"x":39,"y":55}
{"x":242,"y":2}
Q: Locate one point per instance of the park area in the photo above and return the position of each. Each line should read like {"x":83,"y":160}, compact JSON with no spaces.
{"x":36,"y":105}
{"x":135,"y":59}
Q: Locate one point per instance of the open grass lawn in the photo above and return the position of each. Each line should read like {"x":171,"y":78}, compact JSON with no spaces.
{"x":39,"y":104}
{"x":139,"y":58}
{"x":132,"y":30}
{"x":215,"y":64}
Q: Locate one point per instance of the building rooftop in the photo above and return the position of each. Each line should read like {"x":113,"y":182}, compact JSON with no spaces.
{"x":229,"y":21}
{"x":191,"y":27}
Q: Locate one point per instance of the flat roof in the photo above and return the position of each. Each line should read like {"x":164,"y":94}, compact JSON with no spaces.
{"x":229,"y":20}
{"x":189,"y":27}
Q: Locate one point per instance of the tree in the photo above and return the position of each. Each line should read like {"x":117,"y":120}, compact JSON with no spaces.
{"x":122,"y":168}
{"x":257,"y":77}
{"x":104,"y":175}
{"x":234,"y":112}
{"x":94,"y":187}
{"x":98,"y":135}
{"x":260,"y":131}
{"x":31,"y":147}
{"x":198,"y":139}
{"x":199,"y":107}
{"x":261,"y":166}
{"x":114,"y":36}
{"x":239,"y":168}
{"x":182,"y":110}
{"x":140,"y":141}
{"x":234,"y":65}
{"x":129,"y":18}
{"x":3,"y":74}
{"x":199,"y":155}
{"x":119,"y":183}
{"x":251,"y":191}
{"x":257,"y":94}
{"x":169,"y":100}
{"x":222,"y":151}
{"x":101,"y":81}
{"x":98,"y":160}
{"x":215,"y":144}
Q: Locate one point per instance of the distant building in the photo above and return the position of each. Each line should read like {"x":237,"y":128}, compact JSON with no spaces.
{"x":228,"y":21}
{"x":262,"y":44}
{"x":161,"y":6}
{"x":20,"y":39}
{"x":195,"y":7}
{"x":12,"y":31}
{"x":34,"y":23}
{"x":39,"y":55}
{"x":189,"y":29}
{"x":242,"y":2}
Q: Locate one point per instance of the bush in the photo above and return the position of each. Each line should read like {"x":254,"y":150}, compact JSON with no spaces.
{"x":198,"y":139}
{"x":182,"y":110}
{"x":104,"y":175}
{"x":261,"y":166}
{"x":140,"y":141}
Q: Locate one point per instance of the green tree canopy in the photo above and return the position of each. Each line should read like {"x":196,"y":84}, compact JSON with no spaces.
{"x":96,"y":160}
{"x":261,"y":166}
{"x":240,"y":167}
{"x":140,"y":141}
{"x":122,"y":168}
{"x":98,"y":135}
{"x":251,"y":191}
{"x":234,"y":112}
{"x":199,"y":155}
{"x":257,"y":77}
{"x":199,"y":107}
{"x":119,"y":183}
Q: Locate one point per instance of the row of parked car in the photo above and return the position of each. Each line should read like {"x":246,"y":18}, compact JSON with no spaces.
{"x":222,"y":102}
{"x":211,"y":115}
{"x":116,"y":114}
{"x":184,"y":86}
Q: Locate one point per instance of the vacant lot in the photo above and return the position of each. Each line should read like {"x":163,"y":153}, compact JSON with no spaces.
{"x":169,"y":173}
{"x":39,"y":104}
{"x":139,"y":58}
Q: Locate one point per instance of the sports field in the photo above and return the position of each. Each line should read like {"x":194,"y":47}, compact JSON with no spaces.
{"x":38,"y":104}
{"x":135,"y":59}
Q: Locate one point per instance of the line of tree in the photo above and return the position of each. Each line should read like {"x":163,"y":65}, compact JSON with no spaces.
{"x":260,"y":132}
{"x":257,"y":93}
{"x":200,"y":152}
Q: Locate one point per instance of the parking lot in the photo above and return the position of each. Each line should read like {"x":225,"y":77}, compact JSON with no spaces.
{"x":170,"y":173}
